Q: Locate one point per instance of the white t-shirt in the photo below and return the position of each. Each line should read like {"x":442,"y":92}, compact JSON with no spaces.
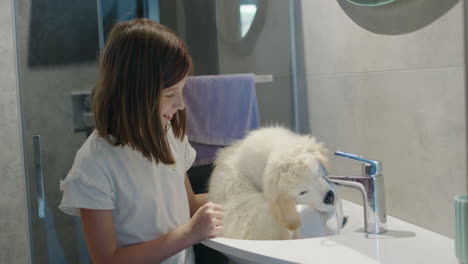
{"x":147,"y":200}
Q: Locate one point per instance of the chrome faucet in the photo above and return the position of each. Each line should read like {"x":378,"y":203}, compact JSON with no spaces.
{"x":371,"y":186}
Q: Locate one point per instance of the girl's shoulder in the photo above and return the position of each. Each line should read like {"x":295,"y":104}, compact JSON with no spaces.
{"x":89,"y":176}
{"x":96,"y":145}
{"x":95,"y":152}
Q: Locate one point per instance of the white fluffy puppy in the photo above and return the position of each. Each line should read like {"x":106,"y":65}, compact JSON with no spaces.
{"x":260,"y":179}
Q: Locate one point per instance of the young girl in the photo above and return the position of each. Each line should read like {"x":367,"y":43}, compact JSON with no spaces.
{"x":128,"y":182}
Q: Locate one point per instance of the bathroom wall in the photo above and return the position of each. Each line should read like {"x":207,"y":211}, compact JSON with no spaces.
{"x":268,"y":53}
{"x":265,"y":52}
{"x":14,"y":242}
{"x":389,"y":83}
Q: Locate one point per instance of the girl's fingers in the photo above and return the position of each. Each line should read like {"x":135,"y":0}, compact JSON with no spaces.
{"x":219,"y":231}
{"x":214,"y":207}
{"x":218,"y":215}
{"x":218,"y":222}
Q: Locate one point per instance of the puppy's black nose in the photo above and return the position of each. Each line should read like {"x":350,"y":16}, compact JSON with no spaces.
{"x":329,"y":198}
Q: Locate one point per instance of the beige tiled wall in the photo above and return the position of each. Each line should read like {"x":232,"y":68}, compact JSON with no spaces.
{"x":14,"y":246}
{"x":393,"y":95}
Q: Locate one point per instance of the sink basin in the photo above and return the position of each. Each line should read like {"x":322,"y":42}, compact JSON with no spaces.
{"x":319,"y":224}
{"x":323,"y":242}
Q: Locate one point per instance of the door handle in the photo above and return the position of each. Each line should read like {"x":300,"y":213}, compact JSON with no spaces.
{"x":41,"y":212}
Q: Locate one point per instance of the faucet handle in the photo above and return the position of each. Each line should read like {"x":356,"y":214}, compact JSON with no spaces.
{"x":372,"y":167}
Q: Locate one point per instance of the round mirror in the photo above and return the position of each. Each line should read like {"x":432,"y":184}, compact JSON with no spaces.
{"x":247,"y":11}
{"x":370,"y":2}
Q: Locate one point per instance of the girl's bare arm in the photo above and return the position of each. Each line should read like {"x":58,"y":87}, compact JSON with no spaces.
{"x":98,"y":227}
{"x":195,"y":200}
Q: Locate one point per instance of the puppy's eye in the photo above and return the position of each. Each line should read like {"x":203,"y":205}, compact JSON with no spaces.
{"x":303,"y":192}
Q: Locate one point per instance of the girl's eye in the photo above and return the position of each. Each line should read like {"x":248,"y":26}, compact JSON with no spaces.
{"x":170,"y":95}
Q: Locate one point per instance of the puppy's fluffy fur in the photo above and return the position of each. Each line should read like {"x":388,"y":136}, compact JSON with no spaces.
{"x":260,"y":179}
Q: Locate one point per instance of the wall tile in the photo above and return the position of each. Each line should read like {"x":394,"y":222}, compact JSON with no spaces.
{"x":335,"y":43}
{"x":14,"y":241}
{"x":414,"y":121}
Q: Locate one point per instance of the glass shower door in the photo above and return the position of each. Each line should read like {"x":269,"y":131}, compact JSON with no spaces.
{"x":58,"y":44}
{"x":57,"y":47}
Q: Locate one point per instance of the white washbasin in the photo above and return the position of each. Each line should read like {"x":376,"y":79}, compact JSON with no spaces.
{"x":319,"y":224}
{"x":402,"y":243}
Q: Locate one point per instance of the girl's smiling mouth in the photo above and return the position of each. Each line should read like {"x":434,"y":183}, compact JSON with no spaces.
{"x":167,"y":117}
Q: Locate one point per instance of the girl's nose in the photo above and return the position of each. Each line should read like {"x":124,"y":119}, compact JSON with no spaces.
{"x":180,"y":104}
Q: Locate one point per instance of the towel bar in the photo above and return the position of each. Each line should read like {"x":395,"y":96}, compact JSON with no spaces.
{"x":263,"y":78}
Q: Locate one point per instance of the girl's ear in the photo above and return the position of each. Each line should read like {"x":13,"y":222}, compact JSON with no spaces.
{"x":284,"y":212}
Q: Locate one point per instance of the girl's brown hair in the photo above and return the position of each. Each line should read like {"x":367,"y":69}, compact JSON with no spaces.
{"x":141,"y":57}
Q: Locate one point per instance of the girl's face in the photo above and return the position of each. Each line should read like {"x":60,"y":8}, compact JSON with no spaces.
{"x":171,"y":101}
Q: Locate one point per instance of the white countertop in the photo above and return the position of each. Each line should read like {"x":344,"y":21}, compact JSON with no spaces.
{"x":402,"y":243}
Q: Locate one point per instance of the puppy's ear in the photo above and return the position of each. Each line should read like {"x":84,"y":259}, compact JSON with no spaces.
{"x":284,"y":212}
{"x":322,"y":155}
{"x":319,"y":150}
{"x":278,"y":178}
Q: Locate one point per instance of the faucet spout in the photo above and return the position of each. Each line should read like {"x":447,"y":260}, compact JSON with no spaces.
{"x":371,"y":187}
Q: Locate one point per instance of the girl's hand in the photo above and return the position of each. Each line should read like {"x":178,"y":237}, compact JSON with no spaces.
{"x":207,"y":222}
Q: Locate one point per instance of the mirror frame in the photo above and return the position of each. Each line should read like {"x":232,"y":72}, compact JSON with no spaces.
{"x":367,"y":2}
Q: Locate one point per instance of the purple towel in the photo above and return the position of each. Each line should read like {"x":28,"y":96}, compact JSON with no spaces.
{"x":220,"y":110}
{"x":205,"y":153}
